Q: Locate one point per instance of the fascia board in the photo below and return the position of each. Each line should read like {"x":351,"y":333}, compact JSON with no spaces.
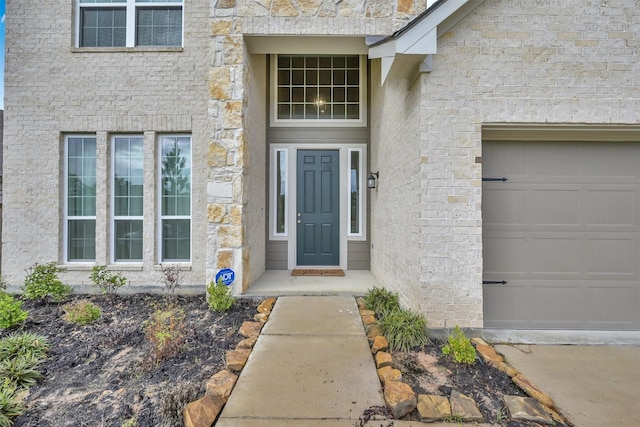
{"x":412,"y":37}
{"x":426,"y":45}
{"x":383,"y":50}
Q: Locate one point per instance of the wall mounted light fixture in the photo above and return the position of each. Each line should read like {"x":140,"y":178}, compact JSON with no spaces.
{"x":371,"y":180}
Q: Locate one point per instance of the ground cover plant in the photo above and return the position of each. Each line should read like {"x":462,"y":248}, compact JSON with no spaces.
{"x":115,"y":370}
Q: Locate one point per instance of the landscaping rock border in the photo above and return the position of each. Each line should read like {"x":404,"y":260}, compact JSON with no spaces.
{"x":204,"y":412}
{"x":401,"y":400}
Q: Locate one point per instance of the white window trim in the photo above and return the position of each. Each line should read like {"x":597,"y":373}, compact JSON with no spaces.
{"x":273,"y":199}
{"x":160,"y":216}
{"x":275,"y":122}
{"x":112,"y":216}
{"x":66,"y":217}
{"x":131,"y":7}
{"x":291,"y":200}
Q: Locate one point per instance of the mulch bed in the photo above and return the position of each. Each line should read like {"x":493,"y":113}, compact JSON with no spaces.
{"x":105,"y":374}
{"x":428,"y":371}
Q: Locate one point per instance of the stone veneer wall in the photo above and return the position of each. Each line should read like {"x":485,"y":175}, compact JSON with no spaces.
{"x":514,"y":61}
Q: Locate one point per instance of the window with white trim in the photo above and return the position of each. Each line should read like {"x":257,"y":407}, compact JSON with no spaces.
{"x":127,"y":192}
{"x":80,"y":195}
{"x":279,"y":197}
{"x":129,"y":23}
{"x":312,"y":90}
{"x":175,"y":198}
{"x":356,"y":179}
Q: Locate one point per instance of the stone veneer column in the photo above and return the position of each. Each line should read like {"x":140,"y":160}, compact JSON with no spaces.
{"x":225,"y":157}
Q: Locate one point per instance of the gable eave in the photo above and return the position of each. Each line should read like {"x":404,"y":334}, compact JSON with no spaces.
{"x":419,"y":38}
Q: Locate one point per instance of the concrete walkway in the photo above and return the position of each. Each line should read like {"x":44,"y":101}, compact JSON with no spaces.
{"x":593,"y":386}
{"x":311,"y":366}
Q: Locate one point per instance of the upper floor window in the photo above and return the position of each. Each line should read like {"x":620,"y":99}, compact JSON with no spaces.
{"x":129,"y":23}
{"x":312,"y":90}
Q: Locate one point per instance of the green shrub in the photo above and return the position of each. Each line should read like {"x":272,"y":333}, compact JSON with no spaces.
{"x":21,"y":371}
{"x":459,"y":347}
{"x":382,"y":301}
{"x":81,"y":312}
{"x":107,"y":282}
{"x":10,"y":406}
{"x":25,"y":344}
{"x":166,"y":331}
{"x":42,"y":281}
{"x":3,"y":284}
{"x":11,"y":312}
{"x":219,"y":296}
{"x":404,"y":329}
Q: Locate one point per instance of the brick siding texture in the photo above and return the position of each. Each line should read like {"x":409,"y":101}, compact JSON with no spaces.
{"x":510,"y":61}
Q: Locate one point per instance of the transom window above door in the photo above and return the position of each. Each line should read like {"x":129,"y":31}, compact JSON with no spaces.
{"x":317,"y":90}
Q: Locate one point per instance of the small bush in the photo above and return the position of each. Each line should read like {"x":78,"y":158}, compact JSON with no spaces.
{"x":3,"y":284}
{"x":10,"y":406}
{"x":166,"y":331}
{"x":11,"y":312}
{"x":459,"y":347}
{"x":404,"y":329}
{"x":107,"y":282}
{"x":382,"y":301}
{"x":42,"y":281}
{"x":219,"y":296}
{"x":172,"y":276}
{"x":24,"y":344}
{"x":81,"y":312}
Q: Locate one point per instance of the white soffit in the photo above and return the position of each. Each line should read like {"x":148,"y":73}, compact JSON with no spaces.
{"x":311,"y":45}
{"x":420,"y":37}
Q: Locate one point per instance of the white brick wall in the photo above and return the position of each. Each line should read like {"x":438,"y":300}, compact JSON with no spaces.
{"x":52,"y":89}
{"x":510,"y":61}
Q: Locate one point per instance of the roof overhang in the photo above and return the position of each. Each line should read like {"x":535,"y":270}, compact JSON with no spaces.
{"x":411,"y":47}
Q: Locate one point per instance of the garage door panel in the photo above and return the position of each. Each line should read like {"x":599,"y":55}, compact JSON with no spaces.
{"x":505,"y":207}
{"x":555,"y":255}
{"x":615,"y":208}
{"x":612,"y":257}
{"x":554,"y":207}
{"x":564,"y":232}
{"x":510,"y":256}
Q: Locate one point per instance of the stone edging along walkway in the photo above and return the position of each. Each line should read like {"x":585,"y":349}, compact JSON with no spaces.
{"x":205,"y":411}
{"x":401,"y":399}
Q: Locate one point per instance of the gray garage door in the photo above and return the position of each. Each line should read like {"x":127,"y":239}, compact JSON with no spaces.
{"x":564,"y":232}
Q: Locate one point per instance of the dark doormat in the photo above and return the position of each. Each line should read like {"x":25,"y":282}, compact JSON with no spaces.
{"x":334,"y":272}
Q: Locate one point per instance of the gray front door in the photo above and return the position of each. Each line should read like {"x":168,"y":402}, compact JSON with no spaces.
{"x":318,"y":213}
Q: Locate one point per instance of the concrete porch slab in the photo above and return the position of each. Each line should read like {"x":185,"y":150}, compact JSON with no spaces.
{"x":281,"y":283}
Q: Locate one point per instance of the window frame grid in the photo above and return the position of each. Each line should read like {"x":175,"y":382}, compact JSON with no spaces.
{"x":66,"y":217}
{"x":131,"y":10}
{"x":161,"y":217}
{"x":360,"y":122}
{"x":120,"y":218}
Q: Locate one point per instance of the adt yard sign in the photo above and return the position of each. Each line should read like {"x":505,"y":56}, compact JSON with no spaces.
{"x":227,"y":276}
